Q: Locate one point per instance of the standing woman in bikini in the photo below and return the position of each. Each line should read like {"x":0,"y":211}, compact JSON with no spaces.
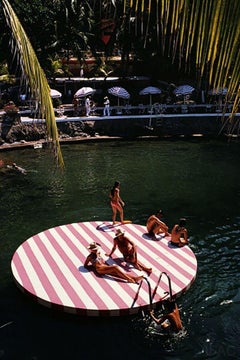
{"x":116,"y":202}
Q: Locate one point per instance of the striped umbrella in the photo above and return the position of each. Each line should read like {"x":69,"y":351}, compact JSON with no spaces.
{"x":218,"y":91}
{"x":150,"y":90}
{"x":183,"y":90}
{"x":120,"y":92}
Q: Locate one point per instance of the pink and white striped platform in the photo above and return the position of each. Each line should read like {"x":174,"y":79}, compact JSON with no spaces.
{"x":49,"y":267}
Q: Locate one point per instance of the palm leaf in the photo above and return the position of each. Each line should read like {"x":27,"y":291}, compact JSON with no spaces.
{"x":35,"y":77}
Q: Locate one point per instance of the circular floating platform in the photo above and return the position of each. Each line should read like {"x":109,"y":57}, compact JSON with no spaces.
{"x":49,"y":267}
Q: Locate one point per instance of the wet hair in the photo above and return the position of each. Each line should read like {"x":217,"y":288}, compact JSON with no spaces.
{"x":182,"y":222}
{"x":116,"y":184}
{"x":168,"y":305}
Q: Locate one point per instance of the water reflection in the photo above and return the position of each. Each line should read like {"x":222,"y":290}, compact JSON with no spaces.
{"x":198,"y":180}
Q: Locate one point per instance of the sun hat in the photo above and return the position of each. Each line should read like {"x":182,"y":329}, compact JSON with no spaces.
{"x":93,"y":246}
{"x":119,"y":232}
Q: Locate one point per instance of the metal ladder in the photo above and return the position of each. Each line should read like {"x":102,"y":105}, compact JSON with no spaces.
{"x":152,"y":294}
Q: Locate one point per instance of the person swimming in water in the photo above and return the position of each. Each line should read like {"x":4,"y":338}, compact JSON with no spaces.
{"x":103,"y":268}
{"x":19,"y":168}
{"x":116,"y":202}
{"x":171,"y":319}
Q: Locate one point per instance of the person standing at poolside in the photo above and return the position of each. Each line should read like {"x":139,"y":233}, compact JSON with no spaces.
{"x":155,"y":225}
{"x":129,"y":251}
{"x":179,"y":234}
{"x":106,"y":110}
{"x":87,"y":106}
{"x":116,"y":202}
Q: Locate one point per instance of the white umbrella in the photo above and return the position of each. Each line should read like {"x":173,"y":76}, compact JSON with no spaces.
{"x":55,"y":94}
{"x":120,"y":92}
{"x":183,"y":90}
{"x":84,"y":91}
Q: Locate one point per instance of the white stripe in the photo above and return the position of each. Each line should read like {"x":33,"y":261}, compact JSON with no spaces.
{"x":156,"y":255}
{"x":114,"y":284}
{"x":68,"y":273}
{"x":32,"y":274}
{"x":63,"y":296}
{"x":91,"y":279}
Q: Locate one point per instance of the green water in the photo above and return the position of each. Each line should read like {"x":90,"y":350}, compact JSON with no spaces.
{"x":196,"y":179}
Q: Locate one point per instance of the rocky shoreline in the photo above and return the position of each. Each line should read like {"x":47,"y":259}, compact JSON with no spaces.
{"x":15,"y":134}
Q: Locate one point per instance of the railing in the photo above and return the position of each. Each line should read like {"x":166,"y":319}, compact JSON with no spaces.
{"x":154,"y":109}
{"x":152,"y":294}
{"x":68,"y":110}
{"x":158,"y":283}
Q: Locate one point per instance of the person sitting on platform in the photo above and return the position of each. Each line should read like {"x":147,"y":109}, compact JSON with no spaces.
{"x":156,"y":226}
{"x":103,"y":268}
{"x":179,"y":234}
{"x":128,"y":249}
{"x":171,"y":319}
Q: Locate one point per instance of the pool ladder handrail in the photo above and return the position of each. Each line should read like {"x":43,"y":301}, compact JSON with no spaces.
{"x":169,"y":285}
{"x":151,"y":295}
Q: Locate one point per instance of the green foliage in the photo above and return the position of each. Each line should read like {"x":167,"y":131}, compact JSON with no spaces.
{"x":34,"y":75}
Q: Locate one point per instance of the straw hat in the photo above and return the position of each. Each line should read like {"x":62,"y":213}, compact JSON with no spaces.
{"x":119,"y":232}
{"x":93,"y":246}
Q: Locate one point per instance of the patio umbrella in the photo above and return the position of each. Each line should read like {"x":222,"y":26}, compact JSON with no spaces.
{"x":183,"y":90}
{"x":150,"y":90}
{"x":55,"y":94}
{"x":120,"y":92}
{"x":84,"y":91}
{"x":218,"y":91}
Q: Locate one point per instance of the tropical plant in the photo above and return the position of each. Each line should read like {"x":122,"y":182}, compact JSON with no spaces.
{"x":56,"y":66}
{"x":74,"y":22}
{"x":5,"y":75}
{"x":201,"y":32}
{"x":35,"y":76}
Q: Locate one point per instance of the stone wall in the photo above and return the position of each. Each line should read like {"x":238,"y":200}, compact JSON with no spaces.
{"x":12,"y":130}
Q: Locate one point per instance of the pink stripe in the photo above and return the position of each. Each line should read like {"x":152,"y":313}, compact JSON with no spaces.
{"x":76,"y":297}
{"x":167,"y":259}
{"x":82,"y":233}
{"x":56,"y":268}
{"x":149,"y":260}
{"x":46,"y":284}
{"x":105,"y":284}
{"x":68,"y":240}
{"x":117,"y":299}
{"x":26,"y":283}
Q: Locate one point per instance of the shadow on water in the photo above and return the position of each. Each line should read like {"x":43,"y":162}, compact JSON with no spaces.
{"x":198,"y":180}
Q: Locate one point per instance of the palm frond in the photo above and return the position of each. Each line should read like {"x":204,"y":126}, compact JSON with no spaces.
{"x":36,"y":78}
